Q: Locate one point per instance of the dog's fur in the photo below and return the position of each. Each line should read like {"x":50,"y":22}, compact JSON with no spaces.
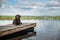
{"x":17,"y":20}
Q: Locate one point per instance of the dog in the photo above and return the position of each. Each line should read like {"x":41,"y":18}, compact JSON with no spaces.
{"x":17,"y":20}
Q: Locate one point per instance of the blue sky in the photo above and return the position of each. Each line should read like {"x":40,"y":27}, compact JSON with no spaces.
{"x":30,"y":7}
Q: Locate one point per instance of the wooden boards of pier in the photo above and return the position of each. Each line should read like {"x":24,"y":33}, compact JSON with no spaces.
{"x":9,"y":29}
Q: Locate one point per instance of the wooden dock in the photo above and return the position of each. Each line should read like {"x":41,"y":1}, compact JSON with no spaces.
{"x":9,"y":29}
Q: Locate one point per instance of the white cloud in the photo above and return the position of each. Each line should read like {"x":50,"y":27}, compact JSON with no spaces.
{"x":3,"y":1}
{"x":53,"y":2}
{"x":54,"y":13}
{"x":3,"y":6}
{"x":30,"y":7}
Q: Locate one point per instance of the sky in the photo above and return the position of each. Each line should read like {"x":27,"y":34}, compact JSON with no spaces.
{"x":30,"y":7}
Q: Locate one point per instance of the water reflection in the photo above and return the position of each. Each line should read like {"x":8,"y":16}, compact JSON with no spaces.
{"x":45,"y":29}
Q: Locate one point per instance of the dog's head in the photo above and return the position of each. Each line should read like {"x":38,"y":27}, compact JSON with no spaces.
{"x":17,"y":17}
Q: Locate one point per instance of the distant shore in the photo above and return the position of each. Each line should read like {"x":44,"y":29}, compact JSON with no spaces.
{"x":31,"y":17}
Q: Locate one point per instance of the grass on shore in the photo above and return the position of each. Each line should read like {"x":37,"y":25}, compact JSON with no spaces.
{"x":31,"y":17}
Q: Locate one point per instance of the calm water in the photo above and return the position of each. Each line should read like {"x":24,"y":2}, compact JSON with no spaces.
{"x":45,"y":30}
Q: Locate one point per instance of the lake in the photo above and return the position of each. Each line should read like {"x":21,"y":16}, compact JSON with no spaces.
{"x":45,"y":29}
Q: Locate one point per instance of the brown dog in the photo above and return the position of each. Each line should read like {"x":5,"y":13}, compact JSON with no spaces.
{"x":17,"y":20}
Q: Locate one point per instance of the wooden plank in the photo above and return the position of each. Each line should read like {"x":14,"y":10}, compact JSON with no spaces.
{"x":23,"y":36}
{"x":22,"y":27}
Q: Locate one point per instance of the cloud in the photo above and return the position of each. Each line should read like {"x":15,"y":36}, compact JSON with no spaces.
{"x":29,"y":7}
{"x":54,"y":13}
{"x":3,"y":1}
{"x":57,"y":0}
{"x":53,"y":4}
